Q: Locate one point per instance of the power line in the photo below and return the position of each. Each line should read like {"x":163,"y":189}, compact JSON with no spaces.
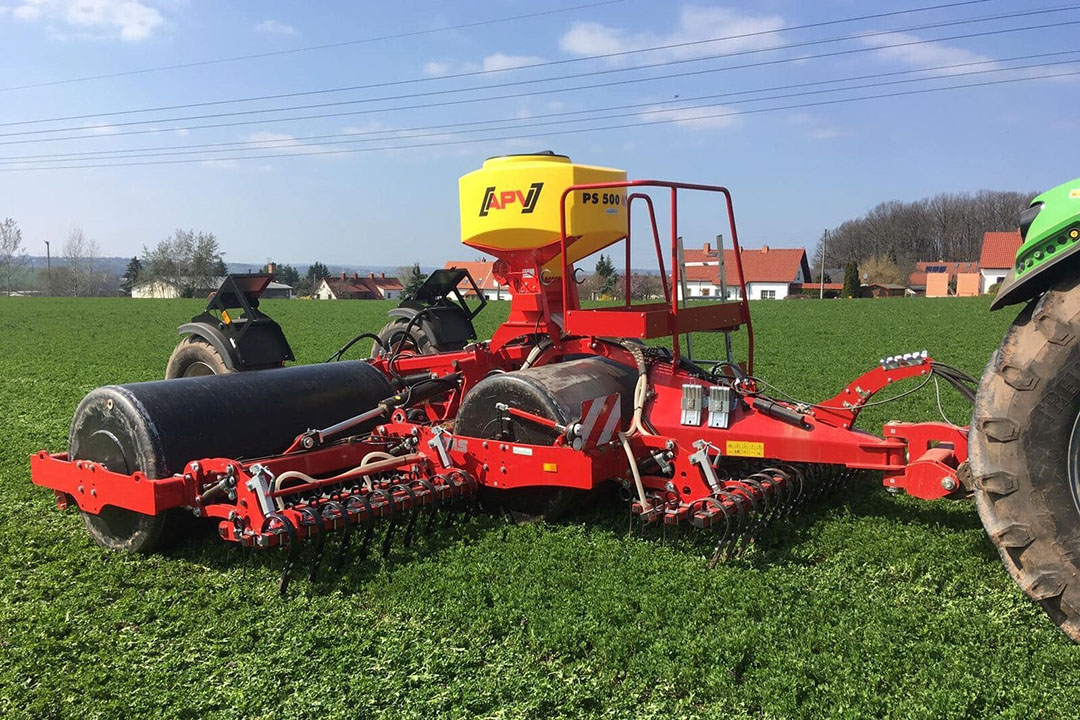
{"x":556,"y":132}
{"x":395,"y":83}
{"x":256,"y":145}
{"x":531,"y":93}
{"x":326,"y":46}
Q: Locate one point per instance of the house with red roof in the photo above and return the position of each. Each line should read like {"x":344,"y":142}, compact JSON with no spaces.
{"x":997,"y":257}
{"x":951,"y":269}
{"x":770,"y":273}
{"x":358,"y":287}
{"x":485,"y":280}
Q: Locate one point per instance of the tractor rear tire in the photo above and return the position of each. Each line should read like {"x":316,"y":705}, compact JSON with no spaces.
{"x":194,"y":356}
{"x":1025,"y":452}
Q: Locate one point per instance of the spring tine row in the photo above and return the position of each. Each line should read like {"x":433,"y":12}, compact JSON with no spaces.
{"x":348,"y":508}
{"x":316,"y":519}
{"x":745,"y":506}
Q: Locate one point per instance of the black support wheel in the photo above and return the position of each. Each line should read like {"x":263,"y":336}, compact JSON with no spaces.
{"x":1025,"y":452}
{"x":117,"y":528}
{"x":194,"y":356}
{"x":411,"y":340}
{"x":124,"y":530}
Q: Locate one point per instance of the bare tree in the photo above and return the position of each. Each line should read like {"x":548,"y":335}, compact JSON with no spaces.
{"x":644,"y":286}
{"x":74,"y":253}
{"x":12,"y":254}
{"x":949,"y":226}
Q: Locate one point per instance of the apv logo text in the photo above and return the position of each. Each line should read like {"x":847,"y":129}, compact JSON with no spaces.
{"x":506,"y":198}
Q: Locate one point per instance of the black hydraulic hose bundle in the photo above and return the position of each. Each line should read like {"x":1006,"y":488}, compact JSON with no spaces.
{"x":338,"y":355}
{"x":957,"y":378}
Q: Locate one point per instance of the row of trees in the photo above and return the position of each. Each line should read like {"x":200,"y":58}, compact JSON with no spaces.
{"x":606,"y":283}
{"x":78,"y":270}
{"x":887,"y":241}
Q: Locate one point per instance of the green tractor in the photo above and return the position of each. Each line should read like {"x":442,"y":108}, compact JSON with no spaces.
{"x":1025,"y":429}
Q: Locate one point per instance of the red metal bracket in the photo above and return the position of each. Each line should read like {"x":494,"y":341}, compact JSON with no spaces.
{"x":93,"y":486}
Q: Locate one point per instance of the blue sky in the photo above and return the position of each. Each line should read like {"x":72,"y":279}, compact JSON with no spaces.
{"x":792,"y":171}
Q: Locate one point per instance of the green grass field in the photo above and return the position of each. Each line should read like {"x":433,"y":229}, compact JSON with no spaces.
{"x":870,"y":606}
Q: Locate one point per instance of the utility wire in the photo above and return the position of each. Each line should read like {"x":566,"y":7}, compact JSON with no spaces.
{"x":592,"y":73}
{"x":326,"y":46}
{"x":558,"y":132}
{"x":444,"y":129}
{"x":531,"y":93}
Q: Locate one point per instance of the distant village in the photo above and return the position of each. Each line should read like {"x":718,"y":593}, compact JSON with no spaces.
{"x":770,"y":274}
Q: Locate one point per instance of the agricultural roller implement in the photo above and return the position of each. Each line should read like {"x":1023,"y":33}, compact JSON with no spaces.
{"x":350,"y":457}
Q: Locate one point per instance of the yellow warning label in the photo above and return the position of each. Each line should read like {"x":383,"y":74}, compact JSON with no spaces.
{"x":1074,"y":194}
{"x":742,"y":448}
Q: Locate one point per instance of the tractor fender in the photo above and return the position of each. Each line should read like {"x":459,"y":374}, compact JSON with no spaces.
{"x":447,"y":326}
{"x":215,"y":337}
{"x":1015,"y":290}
{"x":1050,"y":239}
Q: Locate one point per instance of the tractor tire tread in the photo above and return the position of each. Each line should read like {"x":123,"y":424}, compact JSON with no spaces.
{"x":193,"y":350}
{"x":1024,"y":411}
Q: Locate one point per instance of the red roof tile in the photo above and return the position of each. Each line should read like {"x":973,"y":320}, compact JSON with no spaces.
{"x":780,"y":265}
{"x":358,"y":287}
{"x":480,"y":271}
{"x":767,"y":265}
{"x":999,"y":250}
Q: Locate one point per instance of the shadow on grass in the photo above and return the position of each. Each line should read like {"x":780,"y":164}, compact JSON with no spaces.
{"x":201,"y":545}
{"x":863,"y":498}
{"x":784,"y":542}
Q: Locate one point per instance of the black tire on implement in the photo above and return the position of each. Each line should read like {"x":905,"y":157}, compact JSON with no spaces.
{"x":1021,"y":434}
{"x":416,"y":342}
{"x":194,"y":356}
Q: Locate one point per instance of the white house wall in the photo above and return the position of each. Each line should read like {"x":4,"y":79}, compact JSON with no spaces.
{"x":755,"y":289}
{"x":990,"y":276}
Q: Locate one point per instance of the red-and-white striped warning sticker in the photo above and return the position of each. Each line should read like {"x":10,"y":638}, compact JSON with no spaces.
{"x":600,"y":419}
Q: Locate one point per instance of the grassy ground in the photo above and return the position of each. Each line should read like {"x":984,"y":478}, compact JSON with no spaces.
{"x":873,"y":606}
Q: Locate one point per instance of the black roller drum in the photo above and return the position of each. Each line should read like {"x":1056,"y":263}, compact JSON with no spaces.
{"x":158,"y":427}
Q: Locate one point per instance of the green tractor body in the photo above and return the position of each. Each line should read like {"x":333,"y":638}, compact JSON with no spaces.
{"x":1050,"y":232}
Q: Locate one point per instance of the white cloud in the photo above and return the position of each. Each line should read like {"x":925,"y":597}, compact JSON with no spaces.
{"x":824,"y":133}
{"x":282,"y":143}
{"x":275,"y":141}
{"x":816,"y":128}
{"x":274,"y":27}
{"x":696,"y":118}
{"x":29,"y":11}
{"x":695,"y":24}
{"x":102,"y":129}
{"x":128,"y":20}
{"x":925,"y":55}
{"x":435,"y":68}
{"x":498,"y":61}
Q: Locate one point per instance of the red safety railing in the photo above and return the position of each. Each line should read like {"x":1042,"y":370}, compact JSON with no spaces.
{"x":657,"y":320}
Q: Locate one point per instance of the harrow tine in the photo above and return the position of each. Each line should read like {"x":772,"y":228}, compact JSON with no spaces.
{"x":455,"y":494}
{"x":393,"y":521}
{"x":369,"y":525}
{"x":294,"y":547}
{"x":434,"y":495}
{"x":346,"y":532}
{"x":320,"y":538}
{"x":415,"y":505}
{"x":724,"y":549}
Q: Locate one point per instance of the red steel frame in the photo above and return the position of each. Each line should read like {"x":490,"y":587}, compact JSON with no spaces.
{"x":650,"y":322}
{"x":920,"y":458}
